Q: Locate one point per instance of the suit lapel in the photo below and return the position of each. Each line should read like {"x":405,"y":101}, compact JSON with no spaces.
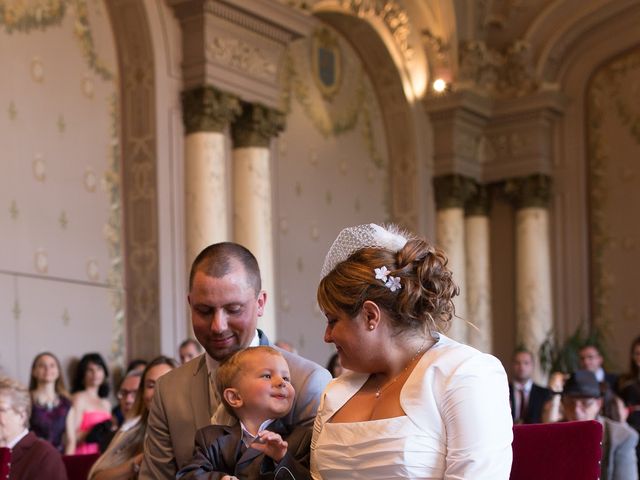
{"x":200,"y":397}
{"x":262,"y":337}
{"x":251,"y":453}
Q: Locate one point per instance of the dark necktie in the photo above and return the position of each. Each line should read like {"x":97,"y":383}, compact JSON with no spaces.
{"x":523,"y":406}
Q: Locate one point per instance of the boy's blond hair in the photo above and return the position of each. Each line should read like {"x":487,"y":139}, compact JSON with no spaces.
{"x":229,"y":369}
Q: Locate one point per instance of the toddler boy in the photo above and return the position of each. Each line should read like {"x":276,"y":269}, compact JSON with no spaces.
{"x":254,"y":387}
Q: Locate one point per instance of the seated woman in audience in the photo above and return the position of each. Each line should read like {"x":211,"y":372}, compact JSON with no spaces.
{"x":124,"y":455}
{"x":416,"y":403}
{"x":630,"y":390}
{"x":629,"y":386}
{"x":31,"y":457}
{"x":90,"y":405}
{"x":50,"y":400}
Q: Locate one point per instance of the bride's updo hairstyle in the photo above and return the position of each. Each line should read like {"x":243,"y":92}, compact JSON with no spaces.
{"x":424,"y":300}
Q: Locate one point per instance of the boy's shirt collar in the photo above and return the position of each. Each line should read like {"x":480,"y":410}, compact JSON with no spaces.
{"x":248,"y":438}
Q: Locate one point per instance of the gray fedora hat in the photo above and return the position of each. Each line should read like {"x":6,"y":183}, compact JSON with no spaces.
{"x":582,"y":384}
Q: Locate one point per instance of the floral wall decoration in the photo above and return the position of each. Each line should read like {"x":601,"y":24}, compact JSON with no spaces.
{"x":61,"y":259}
{"x":331,"y":171}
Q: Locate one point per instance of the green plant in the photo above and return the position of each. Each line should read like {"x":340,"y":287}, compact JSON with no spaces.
{"x":563,"y":356}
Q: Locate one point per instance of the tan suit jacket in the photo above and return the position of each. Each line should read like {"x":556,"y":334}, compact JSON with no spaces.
{"x":181,"y":406}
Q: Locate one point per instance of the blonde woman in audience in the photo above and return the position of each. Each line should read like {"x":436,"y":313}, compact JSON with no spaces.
{"x":90,"y":405}
{"x":50,"y":400}
{"x":122,"y":458}
{"x":416,"y":403}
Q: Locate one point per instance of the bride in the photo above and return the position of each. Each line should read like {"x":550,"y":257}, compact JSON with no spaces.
{"x":416,"y":404}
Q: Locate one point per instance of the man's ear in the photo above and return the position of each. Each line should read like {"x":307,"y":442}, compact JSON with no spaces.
{"x":371,"y":314}
{"x":232,"y":397}
{"x":261,"y":302}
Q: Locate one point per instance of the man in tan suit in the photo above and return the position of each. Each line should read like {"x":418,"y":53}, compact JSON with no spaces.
{"x":226,"y":300}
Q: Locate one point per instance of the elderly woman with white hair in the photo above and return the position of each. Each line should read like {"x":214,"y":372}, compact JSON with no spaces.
{"x":31,"y":457}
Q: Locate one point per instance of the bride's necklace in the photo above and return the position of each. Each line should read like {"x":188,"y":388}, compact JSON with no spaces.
{"x":380,"y":389}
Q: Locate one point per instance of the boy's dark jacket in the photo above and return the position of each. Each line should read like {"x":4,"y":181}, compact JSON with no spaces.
{"x":218,"y":453}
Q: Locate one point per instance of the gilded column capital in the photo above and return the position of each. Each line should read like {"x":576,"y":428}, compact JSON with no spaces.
{"x":531,"y":191}
{"x":479,"y":201}
{"x":207,"y":109}
{"x":256,"y":126}
{"x":452,"y":191}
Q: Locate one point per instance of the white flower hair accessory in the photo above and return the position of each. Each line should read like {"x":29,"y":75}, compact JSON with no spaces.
{"x":392,"y":283}
{"x":352,"y":239}
{"x":381,"y":273}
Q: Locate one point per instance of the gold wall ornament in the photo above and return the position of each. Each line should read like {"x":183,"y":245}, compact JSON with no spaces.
{"x":392,"y":14}
{"x":13,"y":210}
{"x":207,"y":109}
{"x":12,"y":111}
{"x":63,"y":220}
{"x":23,"y":16}
{"x":508,"y":73}
{"x":41,"y":261}
{"x":37,"y":70}
{"x":326,"y":62}
{"x":39,"y":168}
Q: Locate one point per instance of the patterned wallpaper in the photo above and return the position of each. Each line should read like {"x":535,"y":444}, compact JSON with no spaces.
{"x":60,"y":269}
{"x":331,"y":172}
{"x":614,"y":180}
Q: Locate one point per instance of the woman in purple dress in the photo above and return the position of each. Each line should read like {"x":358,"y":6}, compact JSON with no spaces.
{"x":50,"y":400}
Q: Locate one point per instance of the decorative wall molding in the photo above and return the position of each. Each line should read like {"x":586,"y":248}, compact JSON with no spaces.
{"x":256,"y":126}
{"x":239,"y":55}
{"x":139,"y":177}
{"x":500,"y":74}
{"x":16,"y":16}
{"x":394,"y":16}
{"x":459,"y":121}
{"x":263,"y":21}
{"x":238,"y":47}
{"x":207,"y":109}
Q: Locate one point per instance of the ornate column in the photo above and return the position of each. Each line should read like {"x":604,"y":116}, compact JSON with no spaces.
{"x":206,"y":114}
{"x":252,"y":201}
{"x":478,"y":269}
{"x":534,"y":312}
{"x":451,"y":193}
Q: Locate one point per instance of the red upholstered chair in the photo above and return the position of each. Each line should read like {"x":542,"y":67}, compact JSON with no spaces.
{"x":5,"y":463}
{"x":78,"y":466}
{"x":557,"y":451}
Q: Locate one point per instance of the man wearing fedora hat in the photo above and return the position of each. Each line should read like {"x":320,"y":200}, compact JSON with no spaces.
{"x":582,"y":400}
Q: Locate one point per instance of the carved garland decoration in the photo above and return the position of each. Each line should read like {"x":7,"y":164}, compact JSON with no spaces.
{"x":605,"y":85}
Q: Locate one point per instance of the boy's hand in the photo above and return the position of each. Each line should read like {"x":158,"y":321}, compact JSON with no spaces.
{"x":271,"y":444}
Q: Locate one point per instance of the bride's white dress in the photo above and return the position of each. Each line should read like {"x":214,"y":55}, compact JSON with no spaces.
{"x":457,"y":425}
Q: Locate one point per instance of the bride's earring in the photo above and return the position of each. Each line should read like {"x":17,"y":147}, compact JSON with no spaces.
{"x":371,"y":327}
